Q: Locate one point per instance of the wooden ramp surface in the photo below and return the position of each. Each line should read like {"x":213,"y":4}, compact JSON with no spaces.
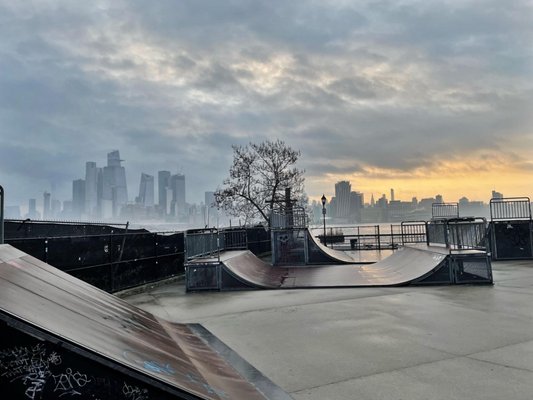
{"x":404,"y":266}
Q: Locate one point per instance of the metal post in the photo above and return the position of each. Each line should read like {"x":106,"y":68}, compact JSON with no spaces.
{"x":323,"y":199}
{"x":1,"y":215}
{"x":218,"y":246}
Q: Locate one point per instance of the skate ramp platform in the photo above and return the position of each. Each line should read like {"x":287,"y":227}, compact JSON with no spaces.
{"x":410,"y":265}
{"x":62,"y":338}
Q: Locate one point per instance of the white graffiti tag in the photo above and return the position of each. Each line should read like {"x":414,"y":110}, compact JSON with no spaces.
{"x":69,"y":382}
{"x":134,"y":393}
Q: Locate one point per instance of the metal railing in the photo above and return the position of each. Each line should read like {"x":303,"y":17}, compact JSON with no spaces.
{"x":210,"y":242}
{"x":374,"y":237}
{"x":288,"y":218}
{"x":444,"y":210}
{"x":205,"y":242}
{"x":510,"y":208}
{"x":459,"y":233}
{"x":414,"y":232}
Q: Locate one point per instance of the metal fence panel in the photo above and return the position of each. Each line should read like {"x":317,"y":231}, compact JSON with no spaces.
{"x":444,"y":210}
{"x":510,"y":208}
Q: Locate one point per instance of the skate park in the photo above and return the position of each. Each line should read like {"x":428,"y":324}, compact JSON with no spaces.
{"x":453,"y":250}
{"x":408,"y":342}
{"x":417,"y":341}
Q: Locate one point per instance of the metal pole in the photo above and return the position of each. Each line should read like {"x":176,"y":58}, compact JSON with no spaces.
{"x":1,"y":215}
{"x":324,"y":218}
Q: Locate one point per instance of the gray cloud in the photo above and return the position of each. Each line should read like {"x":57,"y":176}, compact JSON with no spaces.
{"x":174,"y":84}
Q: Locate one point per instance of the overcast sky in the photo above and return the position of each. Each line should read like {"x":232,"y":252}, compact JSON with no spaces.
{"x":424,"y":96}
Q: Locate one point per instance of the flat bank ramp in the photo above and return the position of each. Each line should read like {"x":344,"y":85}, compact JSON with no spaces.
{"x":62,"y":338}
{"x":408,"y":265}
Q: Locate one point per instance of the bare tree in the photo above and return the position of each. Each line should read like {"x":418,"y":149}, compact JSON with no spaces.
{"x":258,"y":177}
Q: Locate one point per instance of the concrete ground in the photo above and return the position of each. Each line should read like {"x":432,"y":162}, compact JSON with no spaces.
{"x":443,"y":342}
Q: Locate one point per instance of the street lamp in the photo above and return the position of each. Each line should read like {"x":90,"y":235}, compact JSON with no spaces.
{"x":323,"y":199}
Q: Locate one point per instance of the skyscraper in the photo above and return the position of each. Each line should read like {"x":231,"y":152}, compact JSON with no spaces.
{"x":146,"y":190}
{"x":177,"y":184}
{"x":114,"y":188}
{"x":91,"y":189}
{"x":342,"y":196}
{"x":163,"y":183}
{"x":32,"y":210}
{"x":46,"y":205}
{"x":357,"y":203}
{"x":78,"y":198}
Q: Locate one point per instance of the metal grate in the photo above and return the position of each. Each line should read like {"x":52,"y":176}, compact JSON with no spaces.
{"x":469,"y":270}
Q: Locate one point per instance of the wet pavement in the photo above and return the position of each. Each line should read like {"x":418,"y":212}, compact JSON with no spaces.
{"x":432,"y":342}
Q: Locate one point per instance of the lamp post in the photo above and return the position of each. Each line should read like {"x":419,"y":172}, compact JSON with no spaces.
{"x":323,"y":199}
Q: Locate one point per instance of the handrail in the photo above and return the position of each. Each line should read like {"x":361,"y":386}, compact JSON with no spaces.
{"x":459,"y":233}
{"x":444,"y":210}
{"x":508,"y":208}
{"x":414,"y":223}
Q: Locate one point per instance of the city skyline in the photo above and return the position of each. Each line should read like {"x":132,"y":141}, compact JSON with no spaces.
{"x":89,"y":194}
{"x":426,"y":97}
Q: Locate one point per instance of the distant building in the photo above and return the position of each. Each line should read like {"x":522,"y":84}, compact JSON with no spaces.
{"x":439,"y":199}
{"x":32,"y":210}
{"x":427,"y":203}
{"x":56,"y":208}
{"x":114,"y":187}
{"x":463,"y":201}
{"x":146,"y":190}
{"x":163,"y":184}
{"x":91,"y":188}
{"x":382,"y":202}
{"x":342,"y":196}
{"x":78,"y":198}
{"x":46,"y":205}
{"x":357,"y":203}
{"x":178,"y":207}
{"x":497,"y":195}
{"x":392,"y":195}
